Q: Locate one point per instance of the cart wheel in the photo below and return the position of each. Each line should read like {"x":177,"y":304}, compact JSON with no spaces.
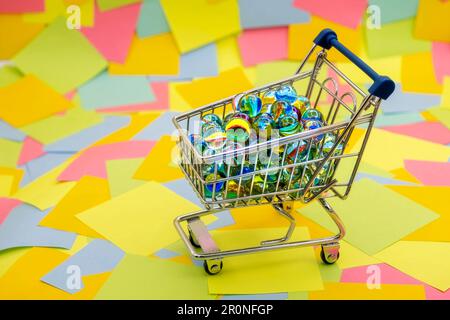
{"x":212,"y":267}
{"x":330,"y":253}
{"x":193,"y":241}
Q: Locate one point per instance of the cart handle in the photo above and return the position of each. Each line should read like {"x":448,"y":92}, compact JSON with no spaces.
{"x":382,"y":86}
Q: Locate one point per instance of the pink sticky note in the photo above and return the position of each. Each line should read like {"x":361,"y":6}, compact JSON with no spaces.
{"x":430,"y":131}
{"x":92,"y":161}
{"x":6,"y":206}
{"x":113,"y":31}
{"x":70,"y":95}
{"x":21,"y":6}
{"x":161,"y":91}
{"x":441,"y":60}
{"x":430,"y":173}
{"x":346,"y":12}
{"x":31,"y":149}
{"x":262,"y":45}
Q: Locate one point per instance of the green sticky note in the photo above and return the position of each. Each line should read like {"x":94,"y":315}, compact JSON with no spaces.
{"x":443,"y":115}
{"x":10,"y":151}
{"x":120,"y":175}
{"x":61,"y":57}
{"x":394,"y":39}
{"x":152,"y":20}
{"x":112,"y":4}
{"x":139,"y":277}
{"x":58,"y":127}
{"x":8,"y":75}
{"x":374,"y":216}
{"x":395,"y":10}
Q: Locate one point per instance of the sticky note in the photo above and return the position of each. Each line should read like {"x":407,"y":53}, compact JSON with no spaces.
{"x":442,"y":115}
{"x":228,"y":55}
{"x":430,"y":131}
{"x":183,"y":188}
{"x":120,"y":175}
{"x":61,"y":57}
{"x":430,"y":172}
{"x":301,"y":38}
{"x":378,"y":222}
{"x":10,"y":179}
{"x":113,"y":32}
{"x":9,"y":75}
{"x":441,"y":52}
{"x":360,"y":291}
{"x":31,"y":149}
{"x":274,"y":71}
{"x":268,"y":272}
{"x":176,"y":102}
{"x":204,"y":91}
{"x":162,"y":157}
{"x":143,"y":59}
{"x":394,"y":10}
{"x":10,"y":153}
{"x":426,"y":261}
{"x":390,"y":275}
{"x":43,"y":164}
{"x":139,"y":221}
{"x":394,"y":119}
{"x":92,"y":161}
{"x":137,"y":277}
{"x":260,"y":13}
{"x":112,"y":4}
{"x":53,"y":9}
{"x":21,"y":6}
{"x":418,"y":74}
{"x":111,"y":91}
{"x":87,"y":193}
{"x":11,"y":43}
{"x":394,"y":38}
{"x":32,"y":99}
{"x":98,"y":256}
{"x":6,"y":182}
{"x":253,"y":45}
{"x":445,"y":103}
{"x":198,"y":22}
{"x":152,"y":20}
{"x":431,"y":20}
{"x":348,"y":12}
{"x":58,"y":126}
{"x":399,"y":147}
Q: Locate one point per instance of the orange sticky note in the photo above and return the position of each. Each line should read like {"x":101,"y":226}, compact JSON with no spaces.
{"x":204,"y":91}
{"x":301,"y":38}
{"x":12,"y":42}
{"x":418,"y":73}
{"x":9,"y":180}
{"x":432,"y":20}
{"x":28,"y":100}
{"x":157,"y":55}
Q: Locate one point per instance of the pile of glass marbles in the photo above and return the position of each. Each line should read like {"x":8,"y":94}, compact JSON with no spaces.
{"x":258,"y":118}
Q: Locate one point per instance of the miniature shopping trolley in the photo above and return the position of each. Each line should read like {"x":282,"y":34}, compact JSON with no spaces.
{"x":349,"y":113}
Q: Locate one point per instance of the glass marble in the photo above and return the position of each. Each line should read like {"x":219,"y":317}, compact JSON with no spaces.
{"x":311,"y":125}
{"x":210,"y":176}
{"x":297,"y":151}
{"x":258,"y":186}
{"x":312,"y":114}
{"x":214,"y":136}
{"x":280,"y":108}
{"x":234,"y":159}
{"x":250,"y":104}
{"x":328,"y":143}
{"x":268,"y":97}
{"x":211,"y":117}
{"x":238,"y":128}
{"x":288,"y":124}
{"x":286,"y":93}
{"x":197,"y":142}
{"x":302,"y":104}
{"x":263,"y":125}
{"x":324,"y":174}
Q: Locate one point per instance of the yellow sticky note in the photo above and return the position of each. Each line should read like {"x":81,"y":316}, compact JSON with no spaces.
{"x":6,"y":183}
{"x":10,"y":152}
{"x":418,"y":73}
{"x":360,"y":291}
{"x":156,"y":55}
{"x":403,"y":174}
{"x":196,"y":23}
{"x":12,"y":42}
{"x":120,"y":175}
{"x":228,"y":55}
{"x":9,"y":75}
{"x":9,"y":180}
{"x":275,"y":71}
{"x":29,"y":100}
{"x":139,"y":221}
{"x":445,"y":102}
{"x":176,"y":101}
{"x":268,"y":272}
{"x":388,"y":150}
{"x":350,"y":256}
{"x":161,"y":156}
{"x":55,"y":8}
{"x":432,"y":198}
{"x":442,"y":114}
{"x":301,"y":38}
{"x":87,"y":193}
{"x":432,"y":20}
{"x":46,"y":191}
{"x":9,"y":257}
{"x":426,"y":261}
{"x":204,"y":91}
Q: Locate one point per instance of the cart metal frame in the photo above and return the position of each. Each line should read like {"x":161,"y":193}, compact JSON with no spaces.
{"x":196,"y":237}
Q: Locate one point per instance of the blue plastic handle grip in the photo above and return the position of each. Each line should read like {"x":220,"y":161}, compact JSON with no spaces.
{"x":382,"y":86}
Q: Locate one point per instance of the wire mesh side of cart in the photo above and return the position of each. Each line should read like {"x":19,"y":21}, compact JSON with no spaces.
{"x":302,"y":170}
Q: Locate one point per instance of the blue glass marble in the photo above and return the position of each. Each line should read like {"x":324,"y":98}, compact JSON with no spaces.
{"x":312,"y":114}
{"x":328,"y":144}
{"x":268,"y":97}
{"x":280,"y":108}
{"x":214,"y":136}
{"x":302,"y":104}
{"x":286,"y":93}
{"x":263,"y":125}
{"x":250,"y":104}
{"x":312,"y":125}
{"x":211,"y":117}
{"x":288,"y":124}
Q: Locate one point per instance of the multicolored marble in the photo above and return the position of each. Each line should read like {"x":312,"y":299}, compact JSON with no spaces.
{"x":211,"y":117}
{"x":263,"y":125}
{"x":289,"y":124}
{"x":214,"y":136}
{"x":250,"y":104}
{"x":302,"y":104}
{"x":211,"y":174}
{"x":312,"y":125}
{"x":312,"y":114}
{"x":286,"y":93}
{"x":328,"y":143}
{"x":280,"y":108}
{"x":198,"y":142}
{"x":238,"y":128}
{"x":268,"y":97}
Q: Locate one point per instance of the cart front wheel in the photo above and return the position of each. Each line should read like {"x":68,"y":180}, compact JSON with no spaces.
{"x":193,"y":240}
{"x":212,"y":267}
{"x":330,"y":253}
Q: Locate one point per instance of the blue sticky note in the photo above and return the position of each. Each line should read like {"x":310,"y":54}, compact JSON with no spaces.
{"x":396,"y":119}
{"x":166,"y":254}
{"x":159,"y":127}
{"x":21,"y":229}
{"x":395,"y":10}
{"x":184,"y":189}
{"x":106,"y":91}
{"x":201,"y":62}
{"x":9,"y":132}
{"x":269,"y":13}
{"x":383,"y":180}
{"x":86,"y":137}
{"x":225,"y":219}
{"x":98,"y":256}
{"x":39,"y":166}
{"x":152,"y":20}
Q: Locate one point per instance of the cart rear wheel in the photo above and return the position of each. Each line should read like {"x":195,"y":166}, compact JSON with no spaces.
{"x":330,"y":254}
{"x":213,"y":267}
{"x":192,"y":240}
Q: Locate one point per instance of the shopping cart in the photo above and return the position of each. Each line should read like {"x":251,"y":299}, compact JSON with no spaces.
{"x":349,"y":118}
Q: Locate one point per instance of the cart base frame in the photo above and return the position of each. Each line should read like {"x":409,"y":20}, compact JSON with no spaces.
{"x":202,"y":246}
